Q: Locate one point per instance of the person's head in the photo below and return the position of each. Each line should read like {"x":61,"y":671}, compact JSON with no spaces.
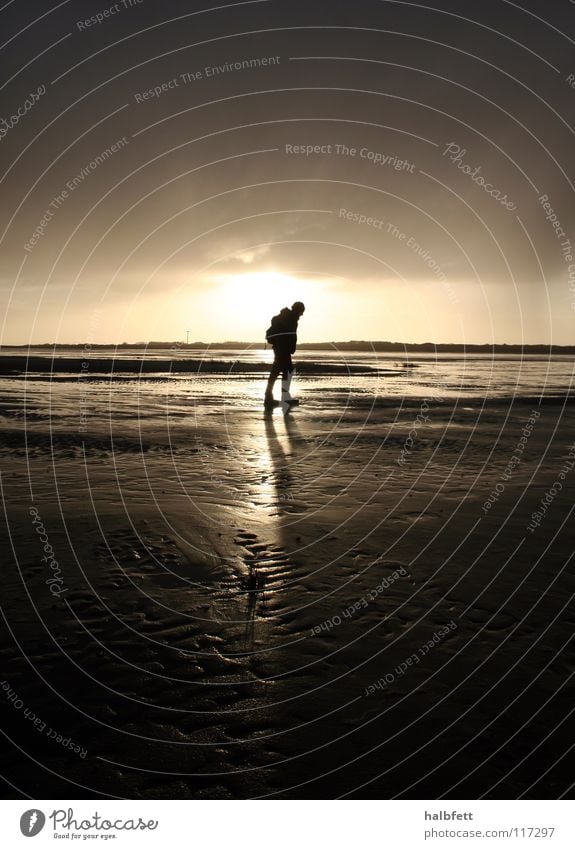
{"x":298,"y":308}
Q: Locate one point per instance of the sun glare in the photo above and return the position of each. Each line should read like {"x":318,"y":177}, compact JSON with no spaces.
{"x":243,"y":304}
{"x":269,"y":290}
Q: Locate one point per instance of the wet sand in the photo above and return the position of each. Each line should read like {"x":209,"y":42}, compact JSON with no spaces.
{"x":320,"y":605}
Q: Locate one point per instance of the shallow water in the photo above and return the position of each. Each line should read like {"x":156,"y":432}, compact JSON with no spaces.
{"x":391,"y":380}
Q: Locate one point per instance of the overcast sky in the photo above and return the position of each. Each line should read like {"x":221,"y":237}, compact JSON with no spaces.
{"x":153,"y":180}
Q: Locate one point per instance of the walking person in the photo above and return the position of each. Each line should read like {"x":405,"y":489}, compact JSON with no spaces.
{"x":282,"y":336}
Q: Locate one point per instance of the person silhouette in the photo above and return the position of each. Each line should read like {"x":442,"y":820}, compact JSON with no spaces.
{"x":282,"y":336}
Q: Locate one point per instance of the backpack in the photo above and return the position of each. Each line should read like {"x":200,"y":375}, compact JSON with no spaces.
{"x":277,"y":327}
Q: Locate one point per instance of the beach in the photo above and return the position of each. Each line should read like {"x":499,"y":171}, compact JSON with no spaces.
{"x":369,"y":597}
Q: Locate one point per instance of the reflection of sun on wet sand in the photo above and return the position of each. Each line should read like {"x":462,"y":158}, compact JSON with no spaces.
{"x":237,"y":585}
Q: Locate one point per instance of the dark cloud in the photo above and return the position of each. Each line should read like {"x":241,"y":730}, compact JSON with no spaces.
{"x":163,"y":146}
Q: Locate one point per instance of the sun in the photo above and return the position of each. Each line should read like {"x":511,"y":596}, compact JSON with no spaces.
{"x":240,"y":306}
{"x":267,"y":291}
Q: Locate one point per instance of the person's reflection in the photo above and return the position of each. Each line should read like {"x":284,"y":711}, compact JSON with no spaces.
{"x":282,"y":458}
{"x":282,"y":434}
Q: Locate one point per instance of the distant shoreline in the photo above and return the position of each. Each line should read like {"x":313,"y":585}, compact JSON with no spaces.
{"x":379,"y":347}
{"x":89,"y":366}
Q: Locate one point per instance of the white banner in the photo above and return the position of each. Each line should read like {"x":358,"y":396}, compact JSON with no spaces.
{"x":285,"y":824}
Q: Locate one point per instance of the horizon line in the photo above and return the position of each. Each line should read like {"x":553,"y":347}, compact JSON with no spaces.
{"x":229,"y":343}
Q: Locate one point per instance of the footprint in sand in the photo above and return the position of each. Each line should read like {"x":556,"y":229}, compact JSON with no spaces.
{"x":268,"y":568}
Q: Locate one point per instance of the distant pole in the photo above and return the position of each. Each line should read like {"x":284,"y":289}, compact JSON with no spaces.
{"x":187,"y":337}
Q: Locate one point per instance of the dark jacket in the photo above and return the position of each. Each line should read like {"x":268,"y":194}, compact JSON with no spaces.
{"x":282,"y":332}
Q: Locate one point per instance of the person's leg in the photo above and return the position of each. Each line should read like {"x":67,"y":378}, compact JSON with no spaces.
{"x":287,"y":373}
{"x":274,"y":374}
{"x":290,"y":374}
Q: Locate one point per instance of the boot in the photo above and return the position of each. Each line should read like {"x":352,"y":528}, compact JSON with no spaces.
{"x":286,"y":395}
{"x":269,"y":396}
{"x":287,"y":400}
